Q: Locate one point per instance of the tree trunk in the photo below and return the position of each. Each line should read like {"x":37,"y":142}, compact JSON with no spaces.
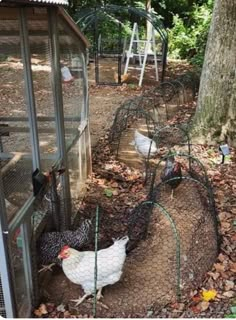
{"x":215,"y":119}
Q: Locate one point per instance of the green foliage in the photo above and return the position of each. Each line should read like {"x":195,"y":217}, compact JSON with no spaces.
{"x":188,"y":22}
{"x":187,"y":38}
{"x":233,"y":313}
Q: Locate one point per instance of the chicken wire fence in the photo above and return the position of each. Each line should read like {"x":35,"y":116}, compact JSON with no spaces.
{"x":190,"y":167}
{"x":125,"y":116}
{"x":159,"y":103}
{"x":163,"y":250}
{"x":51,"y":231}
{"x":2,"y":302}
{"x":138,"y":140}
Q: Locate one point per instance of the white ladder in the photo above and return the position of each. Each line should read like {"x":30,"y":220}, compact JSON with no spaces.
{"x":149,"y":49}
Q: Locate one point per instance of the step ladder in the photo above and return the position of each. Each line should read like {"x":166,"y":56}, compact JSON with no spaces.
{"x":142,"y":54}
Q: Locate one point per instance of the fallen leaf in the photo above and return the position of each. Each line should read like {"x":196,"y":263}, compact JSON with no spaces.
{"x":50,"y":307}
{"x":196,"y":298}
{"x":203,"y":305}
{"x":37,"y":313}
{"x":233,"y":237}
{"x":61,"y":308}
{"x":229,"y":294}
{"x":222,"y":257}
{"x":195,"y":309}
{"x":114,"y":185}
{"x":233,"y":267}
{"x":214,"y":275}
{"x":225,"y":225}
{"x":43,"y":308}
{"x":219,"y":267}
{"x":229,"y":285}
{"x":40,"y":311}
{"x":115,"y":193}
{"x":208,"y":295}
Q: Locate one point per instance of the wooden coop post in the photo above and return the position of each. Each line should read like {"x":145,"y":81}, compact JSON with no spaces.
{"x":59,"y":112}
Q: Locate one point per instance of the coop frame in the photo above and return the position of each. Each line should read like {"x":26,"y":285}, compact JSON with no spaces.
{"x":92,"y":17}
{"x":22,"y":218}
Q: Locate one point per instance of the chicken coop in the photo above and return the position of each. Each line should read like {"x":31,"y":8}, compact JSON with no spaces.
{"x":44,"y":137}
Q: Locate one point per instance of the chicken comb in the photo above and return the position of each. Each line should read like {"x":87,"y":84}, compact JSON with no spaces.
{"x":64,"y":248}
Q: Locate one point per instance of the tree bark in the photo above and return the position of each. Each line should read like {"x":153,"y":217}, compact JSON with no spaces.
{"x":215,"y":118}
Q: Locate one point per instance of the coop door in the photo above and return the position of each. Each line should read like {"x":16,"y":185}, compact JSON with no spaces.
{"x":108,"y":58}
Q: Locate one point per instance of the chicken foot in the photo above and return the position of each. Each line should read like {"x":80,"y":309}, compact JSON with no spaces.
{"x":79,"y":301}
{"x":47,"y":268}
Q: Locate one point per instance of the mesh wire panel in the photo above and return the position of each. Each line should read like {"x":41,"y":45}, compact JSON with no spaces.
{"x":41,"y":71}
{"x":75,"y":103}
{"x":190,"y":167}
{"x":191,"y":208}
{"x":129,"y":118}
{"x":172,"y":136}
{"x":172,"y":244}
{"x":15,"y":144}
{"x":145,"y":278}
{"x":19,"y":278}
{"x":109,"y":53}
{"x":2,"y":302}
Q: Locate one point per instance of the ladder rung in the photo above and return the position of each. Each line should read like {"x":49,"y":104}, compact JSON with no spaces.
{"x":140,"y":54}
{"x":151,"y":41}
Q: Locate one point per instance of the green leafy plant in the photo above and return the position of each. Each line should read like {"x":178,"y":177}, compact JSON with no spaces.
{"x":188,"y":37}
{"x":233,"y":314}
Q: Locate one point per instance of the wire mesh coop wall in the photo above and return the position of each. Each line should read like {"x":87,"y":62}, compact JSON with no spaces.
{"x":43,"y":126}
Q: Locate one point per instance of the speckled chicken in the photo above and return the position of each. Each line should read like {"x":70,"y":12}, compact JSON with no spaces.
{"x":172,"y":170}
{"x":50,"y":244}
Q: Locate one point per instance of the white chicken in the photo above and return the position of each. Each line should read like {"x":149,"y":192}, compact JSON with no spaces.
{"x":79,"y":266}
{"x":145,"y":146}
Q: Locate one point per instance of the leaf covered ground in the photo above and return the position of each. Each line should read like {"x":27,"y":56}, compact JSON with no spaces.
{"x":119,"y":188}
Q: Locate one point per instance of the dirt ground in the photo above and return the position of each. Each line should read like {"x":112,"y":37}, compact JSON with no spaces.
{"x":149,"y":280}
{"x":149,"y":277}
{"x":104,"y":100}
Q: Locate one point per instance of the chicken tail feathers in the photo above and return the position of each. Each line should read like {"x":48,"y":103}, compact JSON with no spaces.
{"x":121,"y":241}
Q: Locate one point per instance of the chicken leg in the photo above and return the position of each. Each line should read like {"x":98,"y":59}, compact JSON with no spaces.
{"x":99,"y":294}
{"x":172,"y":194}
{"x":47,"y":268}
{"x":79,"y":301}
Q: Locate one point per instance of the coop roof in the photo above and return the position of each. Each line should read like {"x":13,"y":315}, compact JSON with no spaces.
{"x":58,"y":2}
{"x":73,"y":26}
{"x":37,"y":21}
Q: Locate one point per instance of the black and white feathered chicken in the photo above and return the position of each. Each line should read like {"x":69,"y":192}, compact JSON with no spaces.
{"x":50,"y":244}
{"x":172,"y":170}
